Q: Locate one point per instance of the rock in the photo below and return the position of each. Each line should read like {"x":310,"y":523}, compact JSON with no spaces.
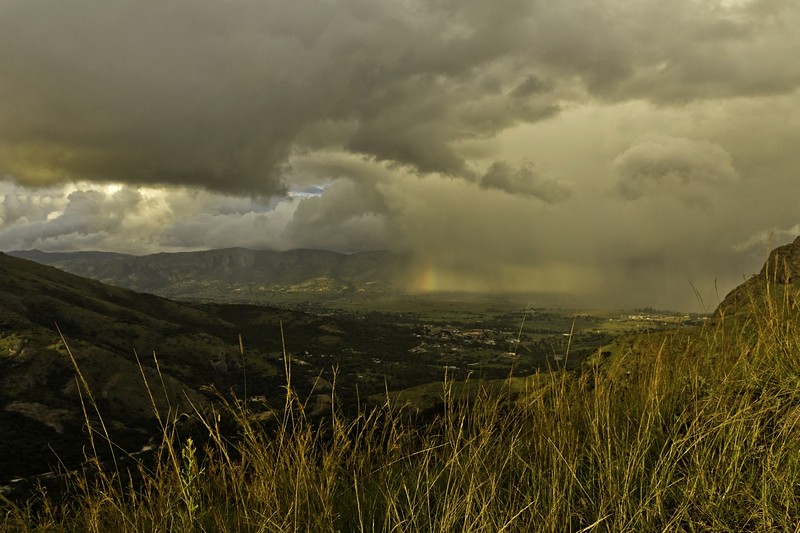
{"x":780,"y":273}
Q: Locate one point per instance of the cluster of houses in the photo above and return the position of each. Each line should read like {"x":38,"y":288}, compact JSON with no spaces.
{"x":452,"y":339}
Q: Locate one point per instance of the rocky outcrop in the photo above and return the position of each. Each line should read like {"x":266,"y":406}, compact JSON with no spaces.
{"x":780,"y":274}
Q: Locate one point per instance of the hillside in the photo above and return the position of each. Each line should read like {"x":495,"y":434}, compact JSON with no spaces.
{"x":234,"y":274}
{"x":196,"y":345}
{"x":688,"y":429}
{"x":780,"y":274}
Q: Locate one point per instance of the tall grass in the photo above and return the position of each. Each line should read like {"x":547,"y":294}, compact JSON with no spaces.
{"x":682,"y":431}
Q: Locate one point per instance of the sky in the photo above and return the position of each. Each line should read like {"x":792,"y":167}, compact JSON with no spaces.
{"x":588,"y":152}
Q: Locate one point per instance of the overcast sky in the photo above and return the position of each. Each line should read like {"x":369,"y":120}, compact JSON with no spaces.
{"x":595,"y":152}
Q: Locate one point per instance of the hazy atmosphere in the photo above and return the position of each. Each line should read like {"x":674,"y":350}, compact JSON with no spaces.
{"x":594,"y":152}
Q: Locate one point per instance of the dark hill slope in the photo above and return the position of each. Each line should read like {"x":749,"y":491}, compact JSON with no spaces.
{"x":196,"y":345}
{"x":39,"y":403}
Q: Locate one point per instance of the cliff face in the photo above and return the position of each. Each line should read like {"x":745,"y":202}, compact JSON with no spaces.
{"x":781,"y":273}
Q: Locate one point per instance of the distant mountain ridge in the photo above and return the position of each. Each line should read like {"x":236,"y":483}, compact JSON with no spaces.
{"x":217,"y":275}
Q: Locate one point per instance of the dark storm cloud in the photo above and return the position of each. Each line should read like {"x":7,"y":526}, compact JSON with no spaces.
{"x":531,"y":85}
{"x":221,"y":94}
{"x":673,"y":166}
{"x":341,"y":124}
{"x":525,"y":180}
{"x":216,"y":94}
{"x":349,"y":217}
{"x":671,"y":52}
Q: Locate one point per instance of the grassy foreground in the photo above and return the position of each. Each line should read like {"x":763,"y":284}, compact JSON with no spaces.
{"x":684,"y":431}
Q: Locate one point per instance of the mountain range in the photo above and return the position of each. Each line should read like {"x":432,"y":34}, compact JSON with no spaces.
{"x":236,"y":274}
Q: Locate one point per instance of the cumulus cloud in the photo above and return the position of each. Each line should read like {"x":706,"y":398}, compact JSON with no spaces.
{"x":200,"y":230}
{"x":27,"y":206}
{"x":674,"y":166}
{"x":68,"y":218}
{"x":342,"y":216}
{"x":135,"y":220}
